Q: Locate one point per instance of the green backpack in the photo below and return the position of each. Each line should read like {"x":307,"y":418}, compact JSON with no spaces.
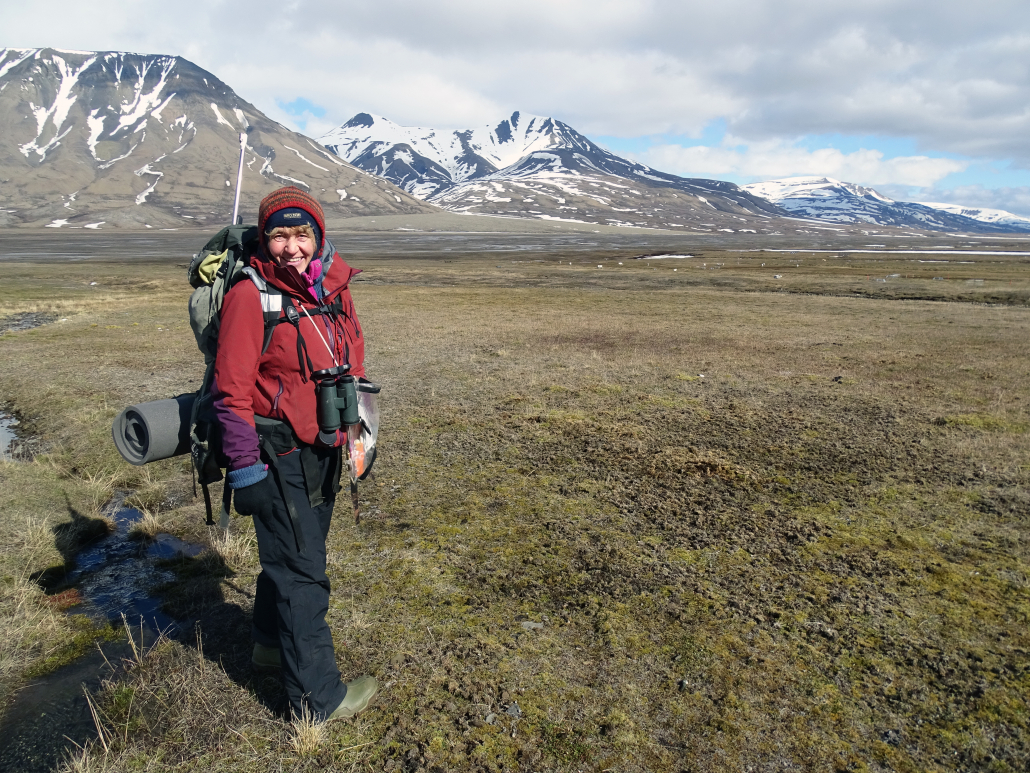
{"x":213,"y":270}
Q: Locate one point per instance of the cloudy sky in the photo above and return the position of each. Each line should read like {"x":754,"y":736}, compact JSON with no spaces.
{"x":922,"y":99}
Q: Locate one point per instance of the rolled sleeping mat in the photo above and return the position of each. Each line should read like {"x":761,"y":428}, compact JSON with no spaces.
{"x":152,"y":431}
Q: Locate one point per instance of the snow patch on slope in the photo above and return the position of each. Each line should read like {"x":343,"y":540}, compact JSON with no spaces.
{"x":136,"y":109}
{"x":17,"y":56}
{"x":147,"y":170}
{"x":57,"y":112}
{"x":218,"y":115}
{"x":811,"y":187}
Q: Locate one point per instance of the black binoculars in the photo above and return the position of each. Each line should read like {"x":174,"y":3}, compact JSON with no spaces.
{"x":336,"y":398}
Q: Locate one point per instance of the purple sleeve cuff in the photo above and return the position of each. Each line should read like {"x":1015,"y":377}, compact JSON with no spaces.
{"x":247,"y":476}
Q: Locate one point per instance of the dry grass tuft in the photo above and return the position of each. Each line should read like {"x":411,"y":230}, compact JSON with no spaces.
{"x":237,"y":551}
{"x":88,"y":759}
{"x":100,"y":486}
{"x":37,"y":540}
{"x":307,"y":735}
{"x":359,"y":620}
{"x":147,"y":526}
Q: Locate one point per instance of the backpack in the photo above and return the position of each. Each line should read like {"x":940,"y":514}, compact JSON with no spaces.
{"x":212,"y":272}
{"x":221,"y":263}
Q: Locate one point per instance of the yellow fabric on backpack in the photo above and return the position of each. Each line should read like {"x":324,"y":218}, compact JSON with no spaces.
{"x":209,"y":266}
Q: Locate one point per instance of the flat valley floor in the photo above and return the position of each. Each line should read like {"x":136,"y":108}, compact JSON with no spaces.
{"x":643,"y":502}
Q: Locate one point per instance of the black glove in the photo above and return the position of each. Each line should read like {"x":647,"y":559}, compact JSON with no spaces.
{"x":255,"y":499}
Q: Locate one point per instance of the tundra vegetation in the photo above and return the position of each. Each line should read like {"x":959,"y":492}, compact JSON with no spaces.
{"x":659,"y":516}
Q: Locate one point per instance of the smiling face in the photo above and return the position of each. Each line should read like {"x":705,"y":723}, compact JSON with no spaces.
{"x":293,"y":247}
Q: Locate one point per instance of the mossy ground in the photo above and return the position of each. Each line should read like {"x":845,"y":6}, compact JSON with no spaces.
{"x":614,"y":525}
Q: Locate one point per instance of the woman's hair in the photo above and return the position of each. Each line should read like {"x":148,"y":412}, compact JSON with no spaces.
{"x":291,"y":230}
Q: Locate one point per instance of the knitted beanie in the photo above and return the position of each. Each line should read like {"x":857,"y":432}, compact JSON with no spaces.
{"x":286,"y":197}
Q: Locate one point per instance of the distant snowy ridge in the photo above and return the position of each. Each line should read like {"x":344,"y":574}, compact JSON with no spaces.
{"x":982,"y":214}
{"x":539,"y":167}
{"x":794,"y":188}
{"x":534,"y":166}
{"x":425,"y":161}
{"x":823,"y":198}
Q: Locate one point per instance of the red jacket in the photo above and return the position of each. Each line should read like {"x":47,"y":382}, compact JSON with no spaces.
{"x":247,"y":382}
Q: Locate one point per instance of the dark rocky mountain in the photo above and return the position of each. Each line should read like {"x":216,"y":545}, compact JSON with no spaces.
{"x":138,"y":140}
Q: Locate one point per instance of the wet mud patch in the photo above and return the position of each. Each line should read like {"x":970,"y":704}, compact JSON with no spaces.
{"x":13,"y":445}
{"x":50,"y":717}
{"x":25,"y":321}
{"x":7,"y":436}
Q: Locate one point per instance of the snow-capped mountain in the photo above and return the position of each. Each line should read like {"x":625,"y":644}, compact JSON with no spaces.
{"x":823,"y":198}
{"x":999,"y":216}
{"x":427,"y":161}
{"x":145,"y":140}
{"x":532,"y":166}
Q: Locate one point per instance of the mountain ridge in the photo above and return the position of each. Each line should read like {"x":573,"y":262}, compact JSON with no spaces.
{"x":146,"y":140}
{"x":830,"y":200}
{"x":143,"y":140}
{"x":544,"y":163}
{"x":539,"y":167}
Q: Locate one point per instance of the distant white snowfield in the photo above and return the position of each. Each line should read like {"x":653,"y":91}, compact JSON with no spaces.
{"x":825,"y":198}
{"x":980,"y":213}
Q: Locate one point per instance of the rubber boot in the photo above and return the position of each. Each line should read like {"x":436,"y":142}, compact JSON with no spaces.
{"x":359,"y":693}
{"x":266,"y":658}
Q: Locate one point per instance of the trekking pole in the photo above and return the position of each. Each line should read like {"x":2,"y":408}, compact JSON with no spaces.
{"x":239,"y":178}
{"x":354,"y":501}
{"x":223,"y":516}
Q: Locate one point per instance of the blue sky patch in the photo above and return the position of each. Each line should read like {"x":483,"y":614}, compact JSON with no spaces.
{"x":300,"y":110}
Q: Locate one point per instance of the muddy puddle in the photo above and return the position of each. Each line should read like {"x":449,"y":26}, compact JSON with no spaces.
{"x":11,"y":446}
{"x":14,"y":445}
{"x":25,"y":321}
{"x":7,"y":436}
{"x":114,"y":576}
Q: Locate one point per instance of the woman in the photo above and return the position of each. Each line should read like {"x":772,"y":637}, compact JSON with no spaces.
{"x":280,"y":471}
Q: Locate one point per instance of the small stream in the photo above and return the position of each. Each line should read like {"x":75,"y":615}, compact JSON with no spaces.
{"x":49,"y":717}
{"x":114,"y":575}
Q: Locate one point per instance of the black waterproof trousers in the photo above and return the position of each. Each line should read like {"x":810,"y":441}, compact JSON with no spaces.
{"x":292,"y":595}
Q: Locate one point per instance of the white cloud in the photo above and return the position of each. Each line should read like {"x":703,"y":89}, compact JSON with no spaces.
{"x":774,"y":159}
{"x":953,"y":77}
{"x":950,"y":77}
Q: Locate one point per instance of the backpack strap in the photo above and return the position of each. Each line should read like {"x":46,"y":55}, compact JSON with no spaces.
{"x":271,"y":304}
{"x":277,"y":308}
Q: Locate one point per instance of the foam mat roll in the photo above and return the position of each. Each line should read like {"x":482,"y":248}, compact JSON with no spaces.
{"x":152,"y":431}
